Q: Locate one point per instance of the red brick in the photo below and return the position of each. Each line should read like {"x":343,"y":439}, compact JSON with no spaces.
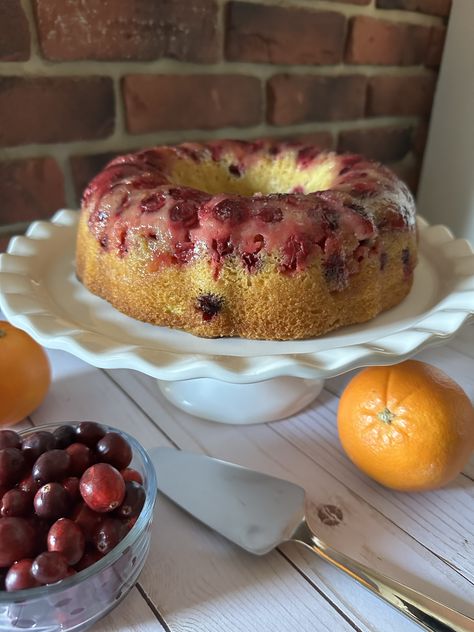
{"x":84,"y":168}
{"x":30,"y":189}
{"x":435,"y":46}
{"x":373,"y":41}
{"x":171,"y":102}
{"x":325,"y":140}
{"x":128,"y":29}
{"x":400,"y":96}
{"x":360,"y":2}
{"x":386,"y":144}
{"x":431,"y":7}
{"x":303,"y":98}
{"x":14,"y":32}
{"x":49,"y":110}
{"x":283,"y":35}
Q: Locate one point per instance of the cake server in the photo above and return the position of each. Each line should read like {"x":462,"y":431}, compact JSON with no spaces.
{"x":258,"y":512}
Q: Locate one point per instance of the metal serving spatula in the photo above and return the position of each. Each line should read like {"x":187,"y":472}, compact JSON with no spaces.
{"x":259,"y":512}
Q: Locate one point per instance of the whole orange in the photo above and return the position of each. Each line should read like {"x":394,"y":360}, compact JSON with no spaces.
{"x":409,"y":426}
{"x":25,"y":374}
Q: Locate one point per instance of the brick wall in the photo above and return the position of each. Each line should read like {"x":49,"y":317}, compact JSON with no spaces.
{"x":81,"y":81}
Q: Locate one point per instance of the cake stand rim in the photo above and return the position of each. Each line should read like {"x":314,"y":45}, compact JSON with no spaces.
{"x":47,"y":329}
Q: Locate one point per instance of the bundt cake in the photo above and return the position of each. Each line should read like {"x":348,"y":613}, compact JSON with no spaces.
{"x":262,"y":239}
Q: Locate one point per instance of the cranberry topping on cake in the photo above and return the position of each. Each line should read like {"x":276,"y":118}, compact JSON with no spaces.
{"x":333,"y":209}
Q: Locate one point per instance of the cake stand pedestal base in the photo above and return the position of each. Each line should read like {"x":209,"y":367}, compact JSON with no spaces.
{"x":242,"y":404}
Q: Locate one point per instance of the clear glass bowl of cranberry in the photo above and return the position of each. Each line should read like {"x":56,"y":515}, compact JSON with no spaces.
{"x":76,"y":506}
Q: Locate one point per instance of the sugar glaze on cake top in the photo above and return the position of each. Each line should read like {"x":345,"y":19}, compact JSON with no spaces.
{"x":247,"y":200}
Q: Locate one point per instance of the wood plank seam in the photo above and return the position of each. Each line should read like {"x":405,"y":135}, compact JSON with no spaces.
{"x":153,"y":607}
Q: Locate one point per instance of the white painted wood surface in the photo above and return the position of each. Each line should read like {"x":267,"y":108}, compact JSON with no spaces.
{"x":195,"y":580}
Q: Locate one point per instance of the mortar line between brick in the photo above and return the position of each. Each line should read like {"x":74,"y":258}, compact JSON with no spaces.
{"x":392,"y":15}
{"x":39,"y":68}
{"x":35,"y":48}
{"x":129,"y":141}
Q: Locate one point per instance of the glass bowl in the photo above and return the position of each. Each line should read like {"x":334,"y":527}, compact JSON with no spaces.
{"x":76,"y":603}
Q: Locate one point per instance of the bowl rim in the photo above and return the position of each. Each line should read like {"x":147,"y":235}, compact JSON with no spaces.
{"x":150,"y":484}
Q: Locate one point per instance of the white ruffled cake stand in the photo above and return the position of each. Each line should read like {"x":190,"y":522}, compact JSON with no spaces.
{"x":229,"y":380}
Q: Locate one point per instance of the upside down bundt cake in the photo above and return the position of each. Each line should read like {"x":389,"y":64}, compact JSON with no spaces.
{"x":257,"y":239}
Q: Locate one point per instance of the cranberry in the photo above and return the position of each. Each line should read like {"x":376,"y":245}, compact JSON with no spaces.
{"x":51,"y":466}
{"x":66,"y":537}
{"x":231,"y":210}
{"x":89,"y":432}
{"x":270,"y":214}
{"x":295,"y":252}
{"x":130,"y":474}
{"x":185,"y":213}
{"x":89,"y":558}
{"x":109,"y":533}
{"x":86,"y":519}
{"x":35,"y":444}
{"x":133,"y":502}
{"x":12,"y":463}
{"x":209,"y":305}
{"x":49,"y":567}
{"x":51,"y":501}
{"x":81,"y":458}
{"x":16,"y":503}
{"x":64,"y":435}
{"x":19,"y":576}
{"x":250,"y":261}
{"x":306,"y":156}
{"x":335,"y":272}
{"x":9,"y":439}
{"x":152,"y":203}
{"x":29,"y":485}
{"x":102,"y":487}
{"x":71,"y":485}
{"x":115,"y":450}
{"x":17,"y":540}
{"x":41,"y":528}
{"x":235,"y":170}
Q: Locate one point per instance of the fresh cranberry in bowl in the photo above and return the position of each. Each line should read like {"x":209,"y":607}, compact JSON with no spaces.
{"x":59,"y":551}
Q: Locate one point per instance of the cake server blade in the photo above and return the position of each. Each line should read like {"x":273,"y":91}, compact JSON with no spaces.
{"x":258,"y":512}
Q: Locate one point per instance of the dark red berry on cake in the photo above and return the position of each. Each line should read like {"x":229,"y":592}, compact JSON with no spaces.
{"x":336,"y":272}
{"x":102,"y":487}
{"x":295,"y":252}
{"x":185,"y":213}
{"x":153,"y":203}
{"x":235,"y":171}
{"x":9,"y":439}
{"x":270,"y":214}
{"x":49,"y":567}
{"x":306,"y":156}
{"x":19,"y":576}
{"x":251,"y":261}
{"x":231,"y":210}
{"x":17,"y":540}
{"x":115,"y":450}
{"x":210,"y":305}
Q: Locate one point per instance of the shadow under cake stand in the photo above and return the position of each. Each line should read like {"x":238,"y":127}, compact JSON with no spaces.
{"x":228,"y":380}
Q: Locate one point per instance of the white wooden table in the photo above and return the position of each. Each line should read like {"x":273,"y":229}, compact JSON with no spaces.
{"x":196,"y":580}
